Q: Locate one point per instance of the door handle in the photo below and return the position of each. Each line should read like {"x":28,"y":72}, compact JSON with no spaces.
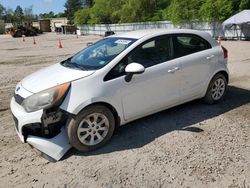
{"x":210,"y":57}
{"x":173,"y":70}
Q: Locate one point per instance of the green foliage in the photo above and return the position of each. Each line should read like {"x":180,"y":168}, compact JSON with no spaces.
{"x":82,"y":16}
{"x":9,"y":16}
{"x":60,"y":15}
{"x":19,"y":15}
{"x":104,"y":11}
{"x":244,"y":4}
{"x":28,"y":14}
{"x":124,"y":11}
{"x":88,"y":3}
{"x":24,"y":16}
{"x":51,"y":14}
{"x":100,"y":12}
{"x":177,"y":11}
{"x":139,"y":11}
{"x":19,"y":11}
{"x":2,"y":11}
{"x":72,"y":6}
{"x":130,"y":11}
{"x":183,"y":10}
{"x":216,"y":10}
{"x":235,"y":6}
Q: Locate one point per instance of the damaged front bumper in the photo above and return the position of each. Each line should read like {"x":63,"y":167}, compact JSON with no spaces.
{"x":44,"y":130}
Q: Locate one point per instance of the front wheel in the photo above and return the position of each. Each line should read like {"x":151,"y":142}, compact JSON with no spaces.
{"x":216,"y":90}
{"x":91,"y":128}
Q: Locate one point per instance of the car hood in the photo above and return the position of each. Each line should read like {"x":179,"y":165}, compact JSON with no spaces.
{"x":52,"y":76}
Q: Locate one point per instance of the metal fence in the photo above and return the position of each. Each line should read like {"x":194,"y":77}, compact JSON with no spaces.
{"x":215,"y":29}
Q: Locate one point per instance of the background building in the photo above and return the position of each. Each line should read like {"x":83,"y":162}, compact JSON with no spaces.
{"x":51,"y":24}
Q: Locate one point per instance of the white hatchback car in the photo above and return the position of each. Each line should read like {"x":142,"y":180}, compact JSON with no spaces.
{"x":116,"y":80}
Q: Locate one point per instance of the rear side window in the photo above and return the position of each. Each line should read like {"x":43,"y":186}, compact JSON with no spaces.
{"x":185,"y":44}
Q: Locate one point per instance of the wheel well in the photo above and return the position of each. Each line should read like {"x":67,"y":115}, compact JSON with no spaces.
{"x":224,"y":73}
{"x":111,"y":108}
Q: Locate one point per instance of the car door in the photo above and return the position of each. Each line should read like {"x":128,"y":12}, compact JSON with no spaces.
{"x":156,"y":88}
{"x":195,"y":56}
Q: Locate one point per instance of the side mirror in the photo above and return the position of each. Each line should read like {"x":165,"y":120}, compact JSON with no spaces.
{"x":133,"y":68}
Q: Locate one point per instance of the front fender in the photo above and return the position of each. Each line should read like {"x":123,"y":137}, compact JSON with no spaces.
{"x":88,"y":102}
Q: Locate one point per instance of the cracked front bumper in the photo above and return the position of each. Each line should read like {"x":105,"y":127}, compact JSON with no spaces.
{"x":54,"y":147}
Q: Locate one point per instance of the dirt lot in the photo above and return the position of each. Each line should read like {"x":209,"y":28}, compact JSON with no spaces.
{"x":192,"y":145}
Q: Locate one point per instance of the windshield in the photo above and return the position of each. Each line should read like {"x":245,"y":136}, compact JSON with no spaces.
{"x":99,"y":54}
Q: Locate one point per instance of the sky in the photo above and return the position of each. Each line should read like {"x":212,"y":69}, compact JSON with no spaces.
{"x":39,"y":6}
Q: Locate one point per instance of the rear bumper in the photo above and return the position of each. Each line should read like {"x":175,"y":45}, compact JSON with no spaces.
{"x":54,"y":147}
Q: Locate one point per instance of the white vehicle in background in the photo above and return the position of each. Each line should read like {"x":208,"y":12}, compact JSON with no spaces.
{"x":118,"y":79}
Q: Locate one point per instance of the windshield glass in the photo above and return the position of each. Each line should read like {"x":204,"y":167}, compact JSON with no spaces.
{"x":99,"y":54}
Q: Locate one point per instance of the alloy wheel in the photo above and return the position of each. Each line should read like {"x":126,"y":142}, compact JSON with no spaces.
{"x":93,"y":129}
{"x":218,"y":89}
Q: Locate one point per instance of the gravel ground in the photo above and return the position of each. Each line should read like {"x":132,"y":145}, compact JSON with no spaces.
{"x":192,"y":145}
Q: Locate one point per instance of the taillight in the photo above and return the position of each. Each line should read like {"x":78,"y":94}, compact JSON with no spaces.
{"x":225,"y":51}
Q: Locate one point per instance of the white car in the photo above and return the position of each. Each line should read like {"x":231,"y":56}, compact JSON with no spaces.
{"x":116,"y":80}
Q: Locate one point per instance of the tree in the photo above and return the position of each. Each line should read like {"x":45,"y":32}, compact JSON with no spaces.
{"x":138,"y":10}
{"x":244,"y":4}
{"x":18,"y":14}
{"x":88,"y":3}
{"x":161,"y":6}
{"x":60,"y":14}
{"x":181,"y":11}
{"x":82,"y":16}
{"x":216,"y":10}
{"x":100,"y":12}
{"x":130,"y":11}
{"x":19,"y":11}
{"x":72,"y":6}
{"x":28,"y":14}
{"x":177,"y":11}
{"x":235,"y":5}
{"x":51,"y":14}
{"x":2,"y":11}
{"x":9,"y":16}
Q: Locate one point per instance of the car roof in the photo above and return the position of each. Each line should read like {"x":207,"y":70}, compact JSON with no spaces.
{"x":155,"y":32}
{"x":141,"y":33}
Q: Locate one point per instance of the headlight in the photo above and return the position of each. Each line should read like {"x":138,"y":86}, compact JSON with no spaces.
{"x":46,"y":98}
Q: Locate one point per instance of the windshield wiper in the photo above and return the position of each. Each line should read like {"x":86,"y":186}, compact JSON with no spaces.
{"x":66,"y":61}
{"x":69,"y":64}
{"x":77,"y":66}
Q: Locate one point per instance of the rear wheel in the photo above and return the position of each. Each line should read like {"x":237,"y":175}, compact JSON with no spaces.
{"x":18,"y":33}
{"x":91,"y":128}
{"x":216,"y":90}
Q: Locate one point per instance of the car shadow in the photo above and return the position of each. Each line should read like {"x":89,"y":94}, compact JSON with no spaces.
{"x":145,"y":130}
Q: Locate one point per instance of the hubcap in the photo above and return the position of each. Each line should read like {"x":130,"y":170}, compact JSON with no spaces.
{"x":218,"y":89}
{"x":93,"y":129}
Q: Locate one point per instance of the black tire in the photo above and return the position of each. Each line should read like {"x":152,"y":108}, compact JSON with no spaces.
{"x":18,"y":34}
{"x":74,"y":123}
{"x":209,"y":99}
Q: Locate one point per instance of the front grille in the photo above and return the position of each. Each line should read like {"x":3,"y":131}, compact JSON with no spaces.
{"x":18,"y":99}
{"x":16,"y":122}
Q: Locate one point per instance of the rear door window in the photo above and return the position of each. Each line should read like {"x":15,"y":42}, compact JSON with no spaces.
{"x":185,"y":44}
